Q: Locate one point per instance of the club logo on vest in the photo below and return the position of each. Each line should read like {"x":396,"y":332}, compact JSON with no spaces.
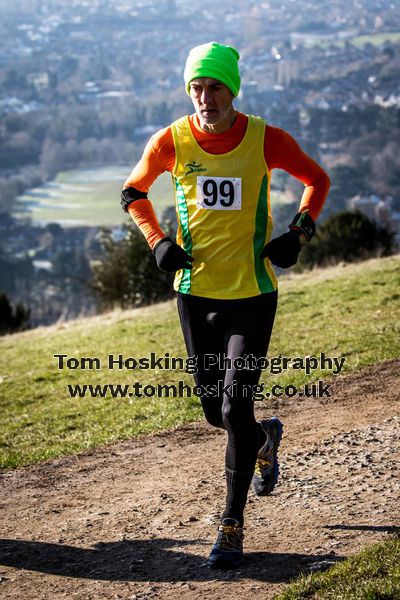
{"x":194,"y":168}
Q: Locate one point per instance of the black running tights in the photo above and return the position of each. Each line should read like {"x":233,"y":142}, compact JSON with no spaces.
{"x":229,"y":329}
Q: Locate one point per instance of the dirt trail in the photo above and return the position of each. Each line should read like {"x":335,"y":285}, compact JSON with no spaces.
{"x":137,"y":519}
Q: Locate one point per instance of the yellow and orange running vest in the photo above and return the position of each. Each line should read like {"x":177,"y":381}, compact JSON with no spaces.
{"x":224,"y":215}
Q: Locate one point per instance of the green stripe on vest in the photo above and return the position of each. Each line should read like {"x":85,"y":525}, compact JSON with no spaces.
{"x":264,"y":281}
{"x":185,"y":282}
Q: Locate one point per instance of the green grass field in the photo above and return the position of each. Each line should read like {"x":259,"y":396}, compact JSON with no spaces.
{"x":89,"y":197}
{"x":351,"y":311}
{"x":377,"y":39}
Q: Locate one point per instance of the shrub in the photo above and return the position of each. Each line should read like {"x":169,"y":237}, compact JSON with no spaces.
{"x":346,"y":236}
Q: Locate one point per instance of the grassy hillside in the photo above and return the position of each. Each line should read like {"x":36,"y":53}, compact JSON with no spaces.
{"x":348,"y":311}
{"x":372,"y":574}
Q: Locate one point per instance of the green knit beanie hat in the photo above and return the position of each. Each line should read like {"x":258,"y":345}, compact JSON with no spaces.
{"x":216,"y":61}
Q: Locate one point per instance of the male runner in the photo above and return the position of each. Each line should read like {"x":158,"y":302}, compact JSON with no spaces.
{"x":221,"y":162}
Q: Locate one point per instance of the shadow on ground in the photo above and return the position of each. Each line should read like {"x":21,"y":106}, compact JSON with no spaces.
{"x":148,"y":560}
{"x":383,"y":528}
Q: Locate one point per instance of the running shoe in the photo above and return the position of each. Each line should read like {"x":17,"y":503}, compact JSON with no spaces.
{"x":266,"y":471}
{"x":227,"y":552}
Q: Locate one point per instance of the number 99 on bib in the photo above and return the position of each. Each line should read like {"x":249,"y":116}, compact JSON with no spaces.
{"x":219,"y":193}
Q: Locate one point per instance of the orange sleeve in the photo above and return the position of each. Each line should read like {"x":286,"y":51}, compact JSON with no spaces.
{"x":158,"y":156}
{"x":142,"y":212}
{"x":283,"y":152}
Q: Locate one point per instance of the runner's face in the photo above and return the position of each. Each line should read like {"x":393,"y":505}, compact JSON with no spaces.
{"x":212,"y":100}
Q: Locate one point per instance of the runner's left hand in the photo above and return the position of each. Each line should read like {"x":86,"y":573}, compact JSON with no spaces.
{"x":284,"y":250}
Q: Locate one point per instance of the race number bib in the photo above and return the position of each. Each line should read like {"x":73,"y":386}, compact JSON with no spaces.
{"x":219,"y":193}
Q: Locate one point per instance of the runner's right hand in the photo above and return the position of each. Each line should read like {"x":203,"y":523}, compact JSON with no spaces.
{"x":170,"y":257}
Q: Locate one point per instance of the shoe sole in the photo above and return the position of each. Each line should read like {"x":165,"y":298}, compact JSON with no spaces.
{"x":267,"y":490}
{"x":224,"y":563}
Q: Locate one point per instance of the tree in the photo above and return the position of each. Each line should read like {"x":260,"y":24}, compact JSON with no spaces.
{"x":386,"y":169}
{"x":346,"y":236}
{"x":15,"y":273}
{"x":12,"y":318}
{"x":127,"y":275}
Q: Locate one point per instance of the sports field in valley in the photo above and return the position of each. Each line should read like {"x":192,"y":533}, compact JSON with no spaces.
{"x":88,"y":197}
{"x":377,"y":39}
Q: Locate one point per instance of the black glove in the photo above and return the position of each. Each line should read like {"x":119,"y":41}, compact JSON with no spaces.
{"x":170,"y":257}
{"x":284,"y":250}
